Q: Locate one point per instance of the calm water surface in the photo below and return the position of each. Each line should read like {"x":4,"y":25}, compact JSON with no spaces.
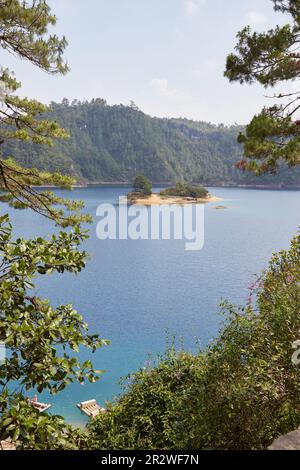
{"x":135,"y":293}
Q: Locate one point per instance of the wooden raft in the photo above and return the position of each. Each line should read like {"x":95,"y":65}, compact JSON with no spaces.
{"x":90,"y":408}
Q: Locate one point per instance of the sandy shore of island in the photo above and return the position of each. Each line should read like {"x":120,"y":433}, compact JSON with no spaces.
{"x":156,"y":199}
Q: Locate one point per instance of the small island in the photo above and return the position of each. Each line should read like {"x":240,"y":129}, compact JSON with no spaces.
{"x":181,"y":193}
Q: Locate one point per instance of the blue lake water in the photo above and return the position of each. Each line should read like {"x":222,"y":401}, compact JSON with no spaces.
{"x":136,"y":293}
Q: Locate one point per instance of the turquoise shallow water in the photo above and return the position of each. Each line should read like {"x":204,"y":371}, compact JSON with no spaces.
{"x":135,"y":293}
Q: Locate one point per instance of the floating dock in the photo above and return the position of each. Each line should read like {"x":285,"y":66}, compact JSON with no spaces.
{"x":91,"y":408}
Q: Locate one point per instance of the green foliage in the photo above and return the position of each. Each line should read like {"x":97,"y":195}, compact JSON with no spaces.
{"x":264,"y":57}
{"x":26,"y":320}
{"x":24,"y":32}
{"x":186,"y":190}
{"x":41,"y":341}
{"x":16,"y":189}
{"x":145,"y":417}
{"x":240,"y":393}
{"x":31,"y":430}
{"x":269,"y":58}
{"x":142,"y":185}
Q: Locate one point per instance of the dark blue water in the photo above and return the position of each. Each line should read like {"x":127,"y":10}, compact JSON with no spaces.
{"x":135,"y":293}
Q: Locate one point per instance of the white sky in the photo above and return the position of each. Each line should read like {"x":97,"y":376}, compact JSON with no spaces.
{"x":166,"y":55}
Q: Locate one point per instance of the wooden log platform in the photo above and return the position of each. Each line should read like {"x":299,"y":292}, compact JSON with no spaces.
{"x":91,"y":408}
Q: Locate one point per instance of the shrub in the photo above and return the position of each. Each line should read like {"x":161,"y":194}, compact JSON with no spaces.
{"x":186,"y":190}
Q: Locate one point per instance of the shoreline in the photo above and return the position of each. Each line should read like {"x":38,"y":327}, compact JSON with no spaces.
{"x":224,"y":185}
{"x":266,"y":187}
{"x":155,"y":199}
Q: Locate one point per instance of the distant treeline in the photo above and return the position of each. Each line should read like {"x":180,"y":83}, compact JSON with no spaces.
{"x":116,"y":143}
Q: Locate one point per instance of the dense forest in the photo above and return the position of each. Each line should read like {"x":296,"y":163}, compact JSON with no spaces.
{"x":115,"y":143}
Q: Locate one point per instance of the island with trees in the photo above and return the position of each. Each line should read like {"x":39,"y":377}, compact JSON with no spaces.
{"x":181,"y":193}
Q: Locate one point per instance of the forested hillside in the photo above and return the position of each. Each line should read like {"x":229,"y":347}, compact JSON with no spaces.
{"x":115,"y":143}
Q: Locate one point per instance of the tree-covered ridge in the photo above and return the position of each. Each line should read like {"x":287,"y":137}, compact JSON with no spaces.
{"x":115,"y":143}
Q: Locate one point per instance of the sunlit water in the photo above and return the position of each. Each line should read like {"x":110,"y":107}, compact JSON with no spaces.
{"x":136,"y":293}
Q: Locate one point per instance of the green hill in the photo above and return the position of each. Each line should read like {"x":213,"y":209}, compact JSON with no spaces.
{"x":115,"y":143}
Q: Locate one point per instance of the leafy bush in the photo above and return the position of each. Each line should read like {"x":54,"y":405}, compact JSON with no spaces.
{"x":186,"y":190}
{"x":240,"y":393}
{"x":31,"y":430}
{"x":146,"y":416}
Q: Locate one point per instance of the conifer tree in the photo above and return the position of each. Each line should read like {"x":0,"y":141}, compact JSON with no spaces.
{"x":38,"y":337}
{"x":272,"y":59}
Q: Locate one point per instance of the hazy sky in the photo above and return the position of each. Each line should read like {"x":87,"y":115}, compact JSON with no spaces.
{"x":166,"y":55}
